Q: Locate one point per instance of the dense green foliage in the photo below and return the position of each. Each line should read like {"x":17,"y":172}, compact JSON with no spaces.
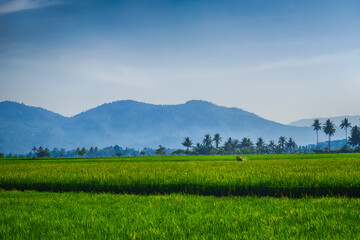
{"x":354,"y":138}
{"x":329,"y":129}
{"x":211,"y":146}
{"x":269,"y":175}
{"x":33,"y":215}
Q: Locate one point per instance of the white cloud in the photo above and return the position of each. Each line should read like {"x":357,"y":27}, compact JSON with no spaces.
{"x":298,"y":62}
{"x":20,"y":5}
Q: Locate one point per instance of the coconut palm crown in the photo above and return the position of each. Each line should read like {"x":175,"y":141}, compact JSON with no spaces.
{"x":317,"y":127}
{"x":217,"y":139}
{"x":329,"y":129}
{"x":345,"y":124}
{"x":187,"y":143}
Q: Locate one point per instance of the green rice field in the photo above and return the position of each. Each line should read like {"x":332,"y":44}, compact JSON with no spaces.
{"x":33,"y":215}
{"x":218,"y":176}
{"x":181,"y":197}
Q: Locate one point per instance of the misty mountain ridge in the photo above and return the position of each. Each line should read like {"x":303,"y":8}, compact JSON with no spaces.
{"x":354,"y":120}
{"x":135,"y":124}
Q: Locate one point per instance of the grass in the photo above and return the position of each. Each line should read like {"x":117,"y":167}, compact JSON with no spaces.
{"x":264,"y":175}
{"x":34,"y":215}
{"x":187,"y":158}
{"x":167,"y":197}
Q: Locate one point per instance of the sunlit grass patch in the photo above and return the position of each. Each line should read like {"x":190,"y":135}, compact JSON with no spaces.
{"x":295,"y":176}
{"x":34,"y":215}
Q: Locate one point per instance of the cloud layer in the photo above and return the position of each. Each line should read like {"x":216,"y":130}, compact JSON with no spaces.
{"x":20,"y":5}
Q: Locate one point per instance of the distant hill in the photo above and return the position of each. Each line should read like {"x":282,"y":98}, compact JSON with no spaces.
{"x":135,"y":124}
{"x":354,"y":120}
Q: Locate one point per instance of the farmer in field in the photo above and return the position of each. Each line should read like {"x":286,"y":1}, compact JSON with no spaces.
{"x":239,"y":158}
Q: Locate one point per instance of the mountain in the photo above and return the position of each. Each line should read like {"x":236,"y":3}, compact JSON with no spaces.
{"x":354,"y":120}
{"x":22,"y":126}
{"x":135,"y":124}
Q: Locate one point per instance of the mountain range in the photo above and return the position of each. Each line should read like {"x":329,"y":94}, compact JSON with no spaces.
{"x":354,"y":120}
{"x":135,"y":124}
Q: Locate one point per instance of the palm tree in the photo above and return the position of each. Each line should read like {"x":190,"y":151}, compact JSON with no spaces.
{"x":329,"y":129}
{"x":187,"y":143}
{"x":272,"y":146}
{"x":160,"y":151}
{"x":217,"y":140}
{"x":260,"y":144}
{"x":246,"y":142}
{"x":236,"y":143}
{"x":207,"y":140}
{"x":317,"y":127}
{"x":34,"y":149}
{"x":345,"y":124}
{"x":282,"y":142}
{"x":354,"y":138}
{"x":291,"y":145}
{"x":229,"y":145}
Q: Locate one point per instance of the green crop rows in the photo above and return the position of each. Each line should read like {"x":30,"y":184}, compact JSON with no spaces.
{"x":33,"y":215}
{"x":263,"y":177}
{"x":191,"y":197}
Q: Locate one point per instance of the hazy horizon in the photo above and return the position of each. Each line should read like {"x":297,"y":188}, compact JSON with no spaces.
{"x":296,"y":120}
{"x":282,"y":60}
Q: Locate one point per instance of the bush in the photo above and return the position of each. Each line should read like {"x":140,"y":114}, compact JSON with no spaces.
{"x":357,"y":150}
{"x":178,"y":152}
{"x":43,"y":153}
{"x":345,"y":149}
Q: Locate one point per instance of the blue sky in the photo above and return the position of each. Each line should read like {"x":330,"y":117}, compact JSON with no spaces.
{"x":283,"y":60}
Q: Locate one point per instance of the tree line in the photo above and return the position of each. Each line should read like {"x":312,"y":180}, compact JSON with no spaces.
{"x":116,"y":151}
{"x":210,"y":145}
{"x":329,"y":129}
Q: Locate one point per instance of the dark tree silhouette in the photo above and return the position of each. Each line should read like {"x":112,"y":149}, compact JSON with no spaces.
{"x":345,"y":124}
{"x":178,"y":152}
{"x":217,"y":140}
{"x":229,"y":145}
{"x":329,"y":129}
{"x":160,"y":151}
{"x":81,"y":152}
{"x":207,"y":140}
{"x":246,"y":143}
{"x":354,"y":139}
{"x":272,"y":146}
{"x":317,"y":126}
{"x":260,"y":145}
{"x":187,"y":143}
{"x":282,"y":143}
{"x":43,"y":152}
{"x":291,"y":145}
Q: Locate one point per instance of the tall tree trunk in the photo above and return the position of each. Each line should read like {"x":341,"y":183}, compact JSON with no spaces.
{"x":329,"y":141}
{"x":317,"y":139}
{"x":346,"y":136}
